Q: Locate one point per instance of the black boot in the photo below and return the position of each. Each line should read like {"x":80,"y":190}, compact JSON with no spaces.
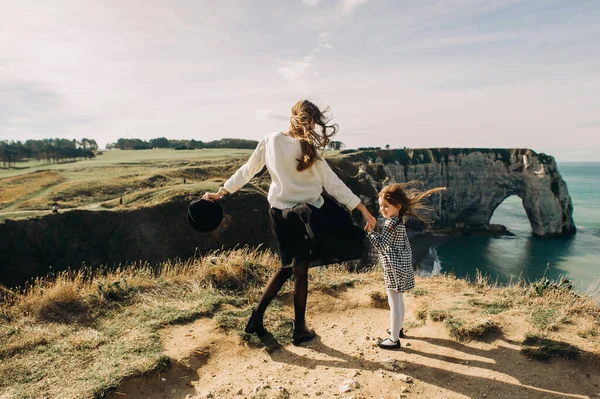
{"x":255,"y":324}
{"x":302,"y":333}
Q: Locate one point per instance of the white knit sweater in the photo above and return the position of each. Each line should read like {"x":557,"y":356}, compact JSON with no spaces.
{"x":289,"y":187}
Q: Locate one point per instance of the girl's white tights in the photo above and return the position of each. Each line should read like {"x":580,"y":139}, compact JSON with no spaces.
{"x":396,"y":302}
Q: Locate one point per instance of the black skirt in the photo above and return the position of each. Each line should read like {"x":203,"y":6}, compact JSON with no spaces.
{"x":319,"y":236}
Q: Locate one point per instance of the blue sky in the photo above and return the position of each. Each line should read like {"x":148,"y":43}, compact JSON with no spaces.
{"x":451,"y":73}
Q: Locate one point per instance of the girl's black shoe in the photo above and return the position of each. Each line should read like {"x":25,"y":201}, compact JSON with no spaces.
{"x":388,"y":344}
{"x":303,"y":334}
{"x":255,"y":325}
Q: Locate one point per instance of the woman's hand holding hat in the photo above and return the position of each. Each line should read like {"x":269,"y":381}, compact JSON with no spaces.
{"x":211,"y":196}
{"x":214,"y":196}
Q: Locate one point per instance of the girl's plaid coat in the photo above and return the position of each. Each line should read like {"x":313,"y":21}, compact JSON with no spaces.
{"x":395,"y":255}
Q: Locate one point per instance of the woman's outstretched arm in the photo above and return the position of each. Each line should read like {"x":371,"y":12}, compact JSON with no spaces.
{"x":243,"y":175}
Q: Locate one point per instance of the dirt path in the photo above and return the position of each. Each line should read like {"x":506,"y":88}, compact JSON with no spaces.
{"x":344,"y":362}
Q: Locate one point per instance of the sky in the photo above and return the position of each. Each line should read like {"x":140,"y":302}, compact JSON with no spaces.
{"x":448,"y":73}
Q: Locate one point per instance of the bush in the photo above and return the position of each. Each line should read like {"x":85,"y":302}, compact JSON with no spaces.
{"x":462,"y":331}
{"x":543,"y":285}
{"x":60,"y":304}
{"x":379,"y":300}
{"x":494,"y":307}
{"x":419,"y":291}
{"x":114,"y":291}
{"x":438,"y":315}
{"x":421,"y":314}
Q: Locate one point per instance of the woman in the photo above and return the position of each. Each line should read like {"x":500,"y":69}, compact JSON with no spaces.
{"x":311,"y":229}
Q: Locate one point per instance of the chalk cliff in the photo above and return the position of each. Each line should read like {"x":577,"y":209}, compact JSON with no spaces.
{"x":477,"y":181}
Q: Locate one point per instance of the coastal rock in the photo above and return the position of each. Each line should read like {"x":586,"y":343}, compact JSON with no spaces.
{"x":477,"y":181}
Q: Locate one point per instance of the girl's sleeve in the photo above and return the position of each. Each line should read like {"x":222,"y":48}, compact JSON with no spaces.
{"x":403,"y":242}
{"x":385,"y":239}
{"x":334,"y":186}
{"x":248,"y":170}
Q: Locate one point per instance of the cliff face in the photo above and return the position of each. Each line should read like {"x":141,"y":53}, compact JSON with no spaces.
{"x":34,"y":247}
{"x":477,"y":181}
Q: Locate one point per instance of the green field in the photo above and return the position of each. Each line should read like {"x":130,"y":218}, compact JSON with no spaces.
{"x":140,"y":178}
{"x":119,"y":157}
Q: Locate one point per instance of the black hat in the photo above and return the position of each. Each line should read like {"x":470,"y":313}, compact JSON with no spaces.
{"x":204,"y":215}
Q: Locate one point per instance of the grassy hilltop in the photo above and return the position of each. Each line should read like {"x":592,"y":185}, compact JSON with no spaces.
{"x":143,"y":177}
{"x":86,"y":335}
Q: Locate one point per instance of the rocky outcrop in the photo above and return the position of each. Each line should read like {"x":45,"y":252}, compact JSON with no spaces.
{"x":477,"y":181}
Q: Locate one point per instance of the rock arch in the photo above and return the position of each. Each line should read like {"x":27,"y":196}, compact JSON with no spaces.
{"x":478,"y":180}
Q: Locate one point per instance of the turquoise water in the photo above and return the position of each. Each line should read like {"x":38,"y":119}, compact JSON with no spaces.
{"x":503,"y":258}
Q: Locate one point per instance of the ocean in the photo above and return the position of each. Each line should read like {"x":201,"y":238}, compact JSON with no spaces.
{"x":530,"y":257}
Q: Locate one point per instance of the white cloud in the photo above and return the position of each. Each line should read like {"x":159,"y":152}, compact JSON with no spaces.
{"x":295,"y":71}
{"x":268,"y":114}
{"x":323,"y":41}
{"x":311,"y":3}
{"x":350,"y":5}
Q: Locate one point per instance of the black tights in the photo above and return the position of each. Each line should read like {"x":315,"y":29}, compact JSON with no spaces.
{"x":300,"y":272}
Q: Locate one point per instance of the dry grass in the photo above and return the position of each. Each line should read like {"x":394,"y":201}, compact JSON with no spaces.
{"x":466,"y":329}
{"x":83,"y":192}
{"x":14,"y":189}
{"x":98,"y":328}
{"x":438,"y":315}
{"x":144,"y":178}
{"x":473,"y":310}
{"x":379,"y":300}
{"x":95,"y":329}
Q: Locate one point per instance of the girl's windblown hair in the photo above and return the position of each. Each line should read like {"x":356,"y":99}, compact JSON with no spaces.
{"x":410,"y":197}
{"x":304,"y":113}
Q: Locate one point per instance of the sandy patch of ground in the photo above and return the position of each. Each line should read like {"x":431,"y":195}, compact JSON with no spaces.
{"x":344,"y":362}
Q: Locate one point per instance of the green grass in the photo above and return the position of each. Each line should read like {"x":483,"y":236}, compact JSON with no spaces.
{"x":418,"y":291}
{"x":141,"y":178}
{"x":438,"y":315}
{"x":588,"y":333}
{"x":421,"y":314}
{"x":136,"y":158}
{"x":493,"y":307}
{"x":463,"y":330}
{"x":545,"y":318}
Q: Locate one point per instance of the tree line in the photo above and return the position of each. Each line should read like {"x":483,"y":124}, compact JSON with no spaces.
{"x":48,"y":150}
{"x":162,"y":142}
{"x":65,"y":150}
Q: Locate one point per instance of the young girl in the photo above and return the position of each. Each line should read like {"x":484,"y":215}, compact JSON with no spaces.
{"x":311,"y":230}
{"x":395,"y":202}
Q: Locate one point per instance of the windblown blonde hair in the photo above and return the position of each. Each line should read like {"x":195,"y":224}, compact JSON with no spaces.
{"x":410,"y":198}
{"x":303,"y":114}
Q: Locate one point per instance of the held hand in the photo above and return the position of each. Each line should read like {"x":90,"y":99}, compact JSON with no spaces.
{"x":371,"y":222}
{"x":211,"y":196}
